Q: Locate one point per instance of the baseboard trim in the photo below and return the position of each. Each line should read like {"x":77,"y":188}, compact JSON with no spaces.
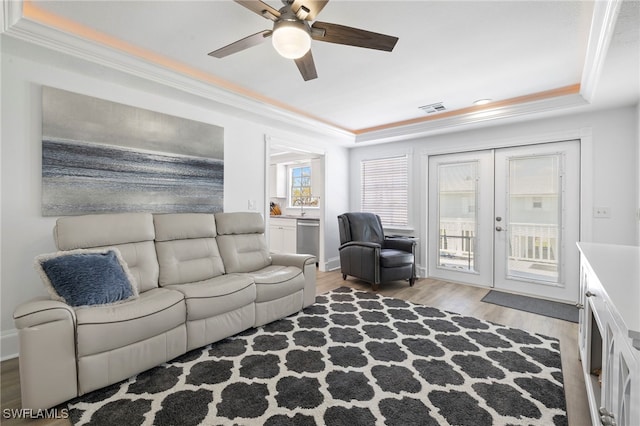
{"x":332,"y":264}
{"x":9,"y":347}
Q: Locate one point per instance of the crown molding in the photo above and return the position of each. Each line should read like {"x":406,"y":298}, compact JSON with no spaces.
{"x":474,"y":118}
{"x":10,"y":13}
{"x":31,"y":31}
{"x":277,"y":115}
{"x":602,"y":28}
{"x":605,"y":15}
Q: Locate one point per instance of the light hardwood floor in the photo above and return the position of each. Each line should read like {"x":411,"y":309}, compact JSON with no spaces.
{"x":440,"y":294}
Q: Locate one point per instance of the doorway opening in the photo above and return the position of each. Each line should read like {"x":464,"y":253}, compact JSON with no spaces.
{"x":295,"y":182}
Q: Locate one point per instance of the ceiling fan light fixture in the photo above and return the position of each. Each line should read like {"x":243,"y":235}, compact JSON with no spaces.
{"x":291,"y":39}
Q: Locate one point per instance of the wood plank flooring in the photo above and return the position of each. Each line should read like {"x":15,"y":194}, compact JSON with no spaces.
{"x":440,"y":294}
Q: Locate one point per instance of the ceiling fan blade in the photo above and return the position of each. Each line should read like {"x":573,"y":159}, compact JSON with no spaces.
{"x":260,"y":8}
{"x":307,"y":67}
{"x":340,"y":34}
{"x":308,"y":9}
{"x":245,"y":43}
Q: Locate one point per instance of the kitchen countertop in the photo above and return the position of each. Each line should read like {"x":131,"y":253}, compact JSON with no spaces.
{"x":288,"y":216}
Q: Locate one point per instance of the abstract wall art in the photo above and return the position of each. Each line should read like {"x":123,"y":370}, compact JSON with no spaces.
{"x":100,"y":156}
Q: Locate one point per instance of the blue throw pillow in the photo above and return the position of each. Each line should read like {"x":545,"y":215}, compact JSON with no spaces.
{"x":87,"y":277}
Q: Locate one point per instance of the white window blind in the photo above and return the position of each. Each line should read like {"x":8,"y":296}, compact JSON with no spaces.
{"x":385,"y":189}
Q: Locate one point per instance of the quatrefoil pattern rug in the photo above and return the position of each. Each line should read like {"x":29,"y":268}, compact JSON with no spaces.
{"x":353,"y":358}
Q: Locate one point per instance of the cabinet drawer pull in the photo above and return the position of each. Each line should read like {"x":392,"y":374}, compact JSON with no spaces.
{"x":580,"y":306}
{"x":589,"y":294}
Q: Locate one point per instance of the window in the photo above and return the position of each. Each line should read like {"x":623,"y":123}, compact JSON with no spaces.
{"x":385,"y":189}
{"x":300,"y":193}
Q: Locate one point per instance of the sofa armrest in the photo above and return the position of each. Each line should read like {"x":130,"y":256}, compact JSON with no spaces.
{"x":305,"y":262}
{"x":47,"y":342}
{"x":291,"y":259}
{"x":41,"y":311}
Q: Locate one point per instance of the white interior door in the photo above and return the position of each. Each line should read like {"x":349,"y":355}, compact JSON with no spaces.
{"x":507,"y":218}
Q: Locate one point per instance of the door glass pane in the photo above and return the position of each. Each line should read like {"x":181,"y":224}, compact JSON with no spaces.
{"x":457,"y":215}
{"x":534,"y":212}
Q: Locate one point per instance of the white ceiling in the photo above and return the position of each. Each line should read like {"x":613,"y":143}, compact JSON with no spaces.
{"x":453,"y":52}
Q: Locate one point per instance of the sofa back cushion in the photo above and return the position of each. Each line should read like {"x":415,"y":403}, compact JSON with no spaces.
{"x":187,"y":248}
{"x":241,"y":241}
{"x":131,"y":233}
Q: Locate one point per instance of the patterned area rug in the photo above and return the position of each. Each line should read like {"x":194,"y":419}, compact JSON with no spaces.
{"x":353,"y":358}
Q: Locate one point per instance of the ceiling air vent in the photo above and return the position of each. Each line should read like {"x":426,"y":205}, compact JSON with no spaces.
{"x":433,"y":108}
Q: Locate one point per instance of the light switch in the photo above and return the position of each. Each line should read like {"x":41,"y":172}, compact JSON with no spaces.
{"x":251,"y":204}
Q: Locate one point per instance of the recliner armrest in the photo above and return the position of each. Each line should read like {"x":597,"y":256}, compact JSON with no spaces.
{"x":307,"y":263}
{"x":41,"y":311}
{"x":404,"y":244}
{"x":47,"y":337}
{"x":360,"y":244}
{"x":291,"y":259}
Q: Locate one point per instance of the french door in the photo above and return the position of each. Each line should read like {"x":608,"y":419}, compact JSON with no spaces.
{"x":507,"y":218}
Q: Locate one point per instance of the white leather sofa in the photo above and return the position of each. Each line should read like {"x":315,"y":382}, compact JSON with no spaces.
{"x":200,"y":277}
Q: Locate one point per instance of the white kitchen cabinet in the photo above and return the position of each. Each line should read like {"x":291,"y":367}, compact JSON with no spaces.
{"x":609,"y":331}
{"x":278,"y":181}
{"x":282,"y":235}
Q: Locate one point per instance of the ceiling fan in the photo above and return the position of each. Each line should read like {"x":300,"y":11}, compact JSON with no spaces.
{"x":292,"y":33}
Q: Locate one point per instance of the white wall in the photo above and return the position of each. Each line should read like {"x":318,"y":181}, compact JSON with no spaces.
{"x":610,"y":148}
{"x":638,"y":174}
{"x":25,"y":233}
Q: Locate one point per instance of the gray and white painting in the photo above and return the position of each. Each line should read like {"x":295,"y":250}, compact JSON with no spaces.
{"x":100,"y":156}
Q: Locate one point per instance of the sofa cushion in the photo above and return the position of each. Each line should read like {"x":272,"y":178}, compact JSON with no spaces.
{"x":143,"y":263}
{"x":101,"y":329}
{"x":217,"y":296}
{"x":391,"y":258}
{"x":87,"y":277}
{"x":131,"y":233}
{"x":243,"y":253}
{"x":236,"y":223}
{"x":184,"y":226}
{"x":187,"y":261}
{"x":186,"y":247}
{"x":241,"y":241}
{"x":99,"y":230}
{"x":277,"y":281}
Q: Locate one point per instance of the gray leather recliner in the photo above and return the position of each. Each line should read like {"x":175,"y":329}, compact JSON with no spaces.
{"x":366,"y":253}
